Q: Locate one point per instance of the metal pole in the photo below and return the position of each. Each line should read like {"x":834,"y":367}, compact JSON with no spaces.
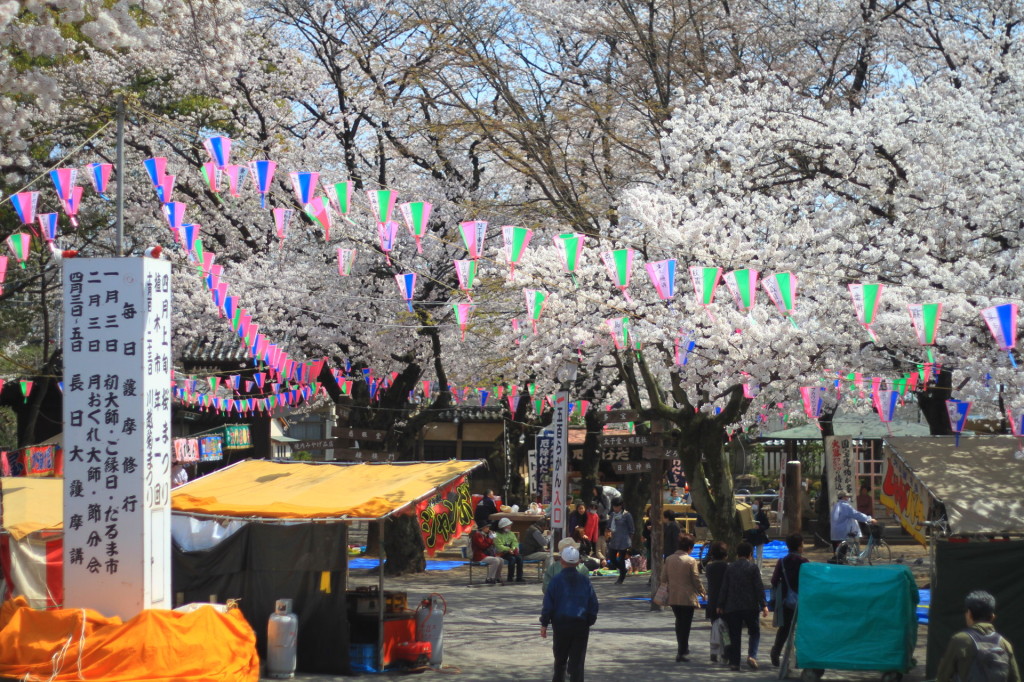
{"x":119,"y":201}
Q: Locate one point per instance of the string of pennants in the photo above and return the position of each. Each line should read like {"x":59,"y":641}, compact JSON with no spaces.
{"x":221,"y":176}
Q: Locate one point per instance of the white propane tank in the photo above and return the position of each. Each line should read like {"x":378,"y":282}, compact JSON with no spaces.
{"x":282,"y":633}
{"x":430,"y":625}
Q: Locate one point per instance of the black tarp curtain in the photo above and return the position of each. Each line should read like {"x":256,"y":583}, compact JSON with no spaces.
{"x":962,"y":567}
{"x":262,"y":563}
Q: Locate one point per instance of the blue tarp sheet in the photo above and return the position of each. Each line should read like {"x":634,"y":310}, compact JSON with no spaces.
{"x":432,"y":565}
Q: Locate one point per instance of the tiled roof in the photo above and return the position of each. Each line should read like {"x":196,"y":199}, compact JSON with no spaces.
{"x":216,"y":352}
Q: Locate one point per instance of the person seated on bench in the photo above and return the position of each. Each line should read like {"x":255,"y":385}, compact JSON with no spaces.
{"x":586,"y":548}
{"x":482,"y":542}
{"x":556,"y":566}
{"x":535,"y":543}
{"x":507,"y":546}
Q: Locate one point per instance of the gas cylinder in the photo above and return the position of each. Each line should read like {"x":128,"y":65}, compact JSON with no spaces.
{"x":282,"y":633}
{"x":430,"y":625}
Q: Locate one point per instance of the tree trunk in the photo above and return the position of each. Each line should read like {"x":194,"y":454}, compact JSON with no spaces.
{"x":403,"y":546}
{"x":590,"y":467}
{"x":709,"y":473}
{"x":932,"y":402}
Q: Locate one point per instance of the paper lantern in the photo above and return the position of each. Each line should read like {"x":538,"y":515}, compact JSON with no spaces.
{"x":1002,"y":322}
{"x":743,"y":285}
{"x":535,"y":300}
{"x":262,"y":172}
{"x":474,"y":232}
{"x":619,"y":264}
{"x":346,"y":259}
{"x":417,"y":216}
{"x":866,"y":298}
{"x":516,"y":241}
{"x":663,"y":276}
{"x":781,"y":289}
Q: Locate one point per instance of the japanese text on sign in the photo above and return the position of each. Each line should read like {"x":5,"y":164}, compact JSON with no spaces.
{"x":117,"y":401}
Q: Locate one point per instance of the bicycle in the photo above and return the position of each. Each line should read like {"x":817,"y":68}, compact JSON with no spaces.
{"x":877,"y":550}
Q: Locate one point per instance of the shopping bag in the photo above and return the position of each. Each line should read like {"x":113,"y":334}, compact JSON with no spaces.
{"x":719,"y":636}
{"x":661,"y":596}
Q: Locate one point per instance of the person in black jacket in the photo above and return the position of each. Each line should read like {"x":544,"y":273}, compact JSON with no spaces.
{"x":740,"y":600}
{"x":484,"y":508}
{"x":670,"y":534}
{"x":715,"y":568}
{"x":787,"y":574}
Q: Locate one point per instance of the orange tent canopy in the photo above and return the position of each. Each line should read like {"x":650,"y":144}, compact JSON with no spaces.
{"x":298,"y":490}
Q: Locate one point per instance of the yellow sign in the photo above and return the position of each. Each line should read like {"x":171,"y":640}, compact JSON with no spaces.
{"x":905,"y":496}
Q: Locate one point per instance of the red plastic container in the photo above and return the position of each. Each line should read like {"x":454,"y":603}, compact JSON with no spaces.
{"x":416,"y":653}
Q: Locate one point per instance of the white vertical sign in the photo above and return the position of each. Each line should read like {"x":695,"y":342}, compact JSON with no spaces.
{"x":560,"y":464}
{"x":840,"y":464}
{"x":117,"y":434}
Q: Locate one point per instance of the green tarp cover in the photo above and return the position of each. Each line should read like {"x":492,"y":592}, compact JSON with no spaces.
{"x":856,"y":617}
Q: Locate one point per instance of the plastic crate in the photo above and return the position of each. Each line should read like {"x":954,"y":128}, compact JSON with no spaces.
{"x":363,"y":658}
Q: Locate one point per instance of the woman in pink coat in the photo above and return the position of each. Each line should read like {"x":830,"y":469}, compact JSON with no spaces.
{"x":684,"y":586}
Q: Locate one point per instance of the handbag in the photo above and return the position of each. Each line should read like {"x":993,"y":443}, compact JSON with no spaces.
{"x":791,"y":595}
{"x":661,"y":596}
{"x":719,"y":636}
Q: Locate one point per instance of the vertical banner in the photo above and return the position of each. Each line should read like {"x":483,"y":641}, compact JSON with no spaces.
{"x":840,"y":464}
{"x":560,"y":466}
{"x":117,"y":434}
{"x":545,"y":447}
{"x":905,"y":496}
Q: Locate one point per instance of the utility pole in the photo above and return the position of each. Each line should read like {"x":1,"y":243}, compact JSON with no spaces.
{"x":119,"y":201}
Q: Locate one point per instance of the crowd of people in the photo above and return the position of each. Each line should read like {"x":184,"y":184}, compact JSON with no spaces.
{"x":734,"y":592}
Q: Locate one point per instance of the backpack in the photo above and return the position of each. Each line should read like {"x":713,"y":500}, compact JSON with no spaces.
{"x":991,"y":659}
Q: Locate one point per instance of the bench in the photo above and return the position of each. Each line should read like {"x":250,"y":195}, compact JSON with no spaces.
{"x":539,"y":563}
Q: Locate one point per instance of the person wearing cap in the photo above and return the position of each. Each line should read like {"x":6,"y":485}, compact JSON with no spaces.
{"x":482,"y":542}
{"x":507,"y":546}
{"x":570,"y":607}
{"x":556,"y":566}
{"x":844,"y":519}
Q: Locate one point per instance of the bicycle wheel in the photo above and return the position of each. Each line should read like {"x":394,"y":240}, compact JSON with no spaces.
{"x":880,"y":553}
{"x":845,"y":551}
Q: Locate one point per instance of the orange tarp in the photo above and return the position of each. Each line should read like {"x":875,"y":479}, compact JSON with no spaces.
{"x":154,"y":646}
{"x":295,"y":490}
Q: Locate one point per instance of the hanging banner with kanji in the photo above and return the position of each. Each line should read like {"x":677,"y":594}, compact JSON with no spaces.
{"x":840,"y":465}
{"x":446,"y":516}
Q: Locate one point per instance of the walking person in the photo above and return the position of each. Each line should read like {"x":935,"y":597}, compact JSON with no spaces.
{"x":787,"y":574}
{"x":670,"y":534}
{"x":740,"y":602}
{"x":718,"y":552}
{"x":570,"y":607}
{"x":621,"y":527}
{"x":682,"y":576}
{"x":978,"y":652}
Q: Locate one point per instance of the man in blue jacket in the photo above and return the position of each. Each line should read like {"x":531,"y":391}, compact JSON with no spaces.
{"x":570,"y":605}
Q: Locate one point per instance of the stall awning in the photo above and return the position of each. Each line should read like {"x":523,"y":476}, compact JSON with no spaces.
{"x":297,"y":490}
{"x":979,"y":482}
{"x":856,"y":426}
{"x":31,"y":505}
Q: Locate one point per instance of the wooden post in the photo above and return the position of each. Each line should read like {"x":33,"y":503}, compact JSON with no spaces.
{"x":793,"y":499}
{"x":657,"y":529}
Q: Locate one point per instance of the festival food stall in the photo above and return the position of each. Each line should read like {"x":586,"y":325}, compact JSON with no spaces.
{"x":964,"y":500}
{"x":261,"y":531}
{"x":266,"y":530}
